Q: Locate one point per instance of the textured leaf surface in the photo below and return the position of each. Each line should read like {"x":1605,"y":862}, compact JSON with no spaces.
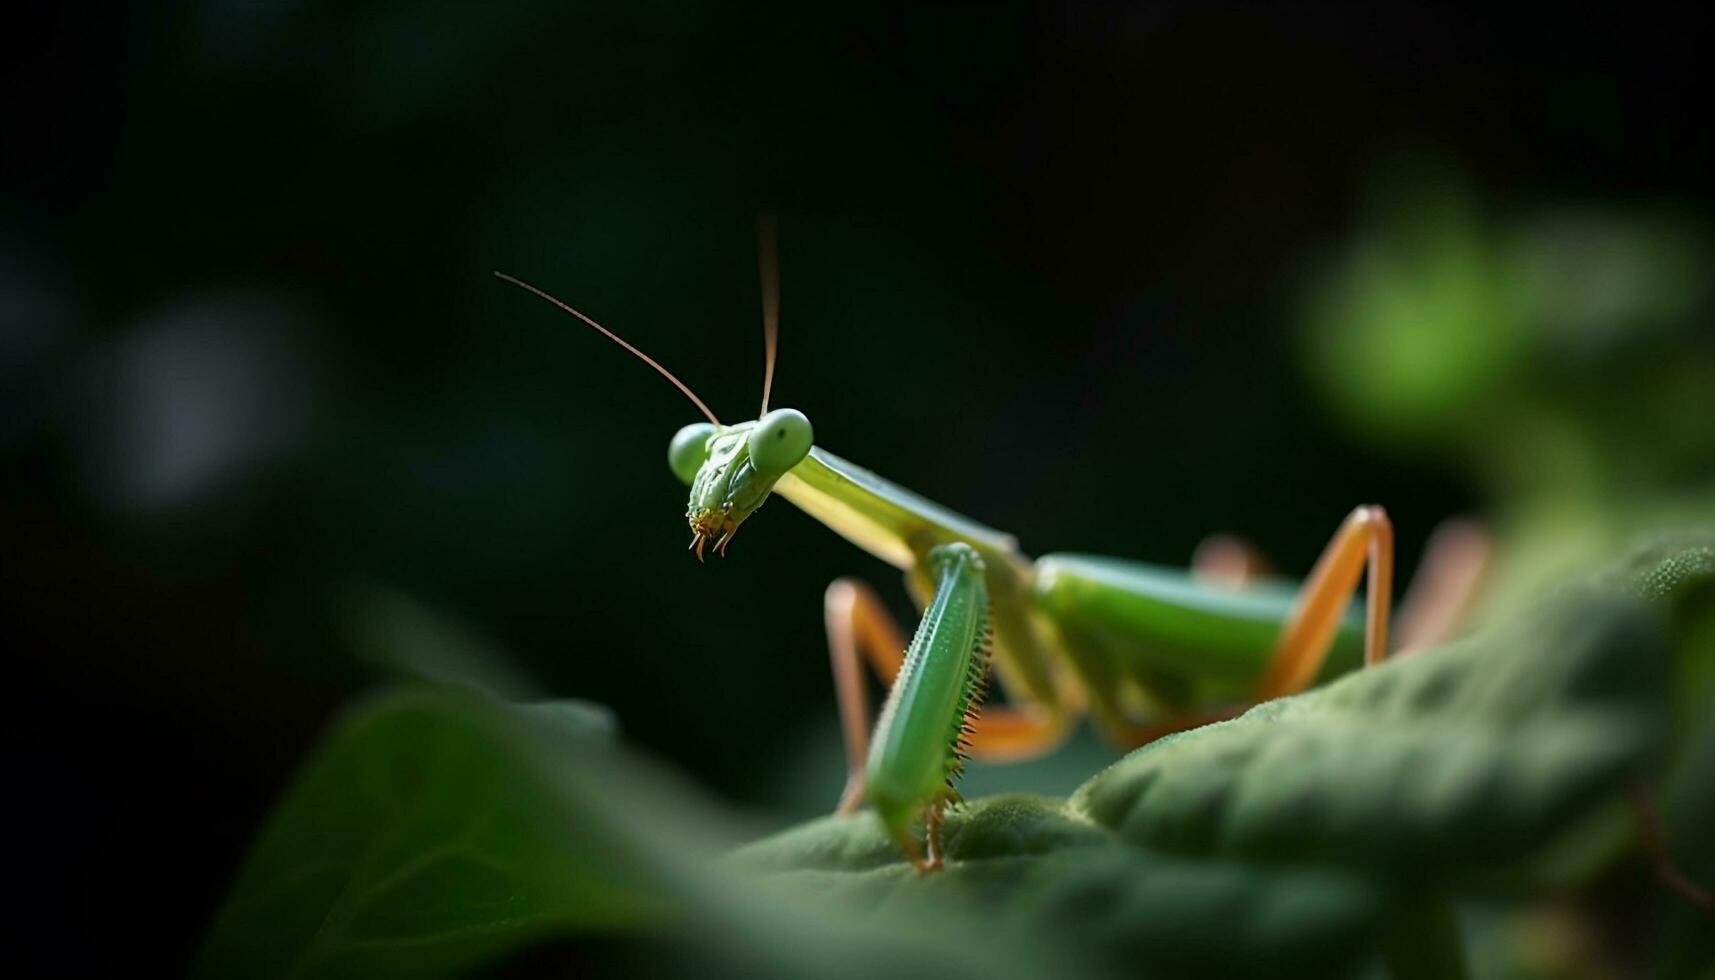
{"x":1026,"y":866}
{"x":1431,"y":764}
{"x":1667,"y":567}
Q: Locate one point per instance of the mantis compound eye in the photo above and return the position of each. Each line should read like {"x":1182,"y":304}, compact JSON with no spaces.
{"x":690,"y":446}
{"x":781,"y":438}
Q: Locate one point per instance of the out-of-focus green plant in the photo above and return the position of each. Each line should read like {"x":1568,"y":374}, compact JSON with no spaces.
{"x":1562,"y":358}
{"x":441,"y":828}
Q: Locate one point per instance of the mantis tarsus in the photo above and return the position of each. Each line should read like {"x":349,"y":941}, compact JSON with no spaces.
{"x":1142,"y":649}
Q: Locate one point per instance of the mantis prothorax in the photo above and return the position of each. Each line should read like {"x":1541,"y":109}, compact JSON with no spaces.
{"x":1144,"y":650}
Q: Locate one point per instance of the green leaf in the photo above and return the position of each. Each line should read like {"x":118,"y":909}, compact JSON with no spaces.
{"x":1428,"y":765}
{"x":437,"y":830}
{"x":1668,"y":566}
{"x":404,"y":639}
{"x":1026,"y":866}
{"x":431,"y":830}
{"x":999,"y":826}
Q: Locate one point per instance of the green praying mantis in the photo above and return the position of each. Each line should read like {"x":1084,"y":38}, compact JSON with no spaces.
{"x":1143,"y":650}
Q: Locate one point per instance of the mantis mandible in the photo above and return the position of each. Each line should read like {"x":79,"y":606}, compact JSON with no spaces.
{"x":1143,"y":650}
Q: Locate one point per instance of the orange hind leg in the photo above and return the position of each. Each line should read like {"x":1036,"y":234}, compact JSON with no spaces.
{"x":1364,"y":539}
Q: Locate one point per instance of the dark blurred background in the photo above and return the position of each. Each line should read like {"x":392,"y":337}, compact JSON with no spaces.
{"x":261,"y":400}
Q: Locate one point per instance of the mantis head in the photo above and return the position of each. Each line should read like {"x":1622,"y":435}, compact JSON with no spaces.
{"x":732,"y":469}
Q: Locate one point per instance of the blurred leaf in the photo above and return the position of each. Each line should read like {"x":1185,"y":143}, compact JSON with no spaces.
{"x":404,"y":639}
{"x":1667,"y":566}
{"x":1439,"y":324}
{"x":431,"y":830}
{"x":1686,"y":794}
{"x":1418,"y":324}
{"x":437,"y":830}
{"x":1602,"y":276}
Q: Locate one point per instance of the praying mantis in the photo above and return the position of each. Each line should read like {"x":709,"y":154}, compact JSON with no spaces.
{"x":1143,"y":650}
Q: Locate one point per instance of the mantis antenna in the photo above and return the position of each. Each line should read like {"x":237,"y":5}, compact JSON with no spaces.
{"x":768,"y":266}
{"x":645,"y":358}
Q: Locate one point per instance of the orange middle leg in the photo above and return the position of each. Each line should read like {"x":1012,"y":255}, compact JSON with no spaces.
{"x":1008,"y":733}
{"x":1364,"y":539}
{"x":859,"y":626}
